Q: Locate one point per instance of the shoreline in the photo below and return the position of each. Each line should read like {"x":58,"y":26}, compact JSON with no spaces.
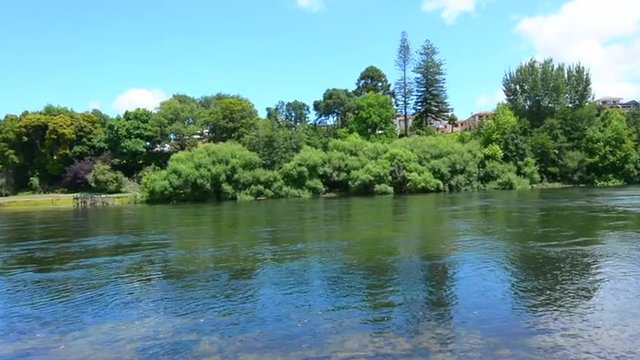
{"x":59,"y":201}
{"x":55,"y":200}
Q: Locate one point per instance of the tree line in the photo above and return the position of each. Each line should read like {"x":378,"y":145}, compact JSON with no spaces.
{"x":217,"y":147}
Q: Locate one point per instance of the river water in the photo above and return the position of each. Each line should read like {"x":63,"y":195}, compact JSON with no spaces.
{"x":551,"y":274}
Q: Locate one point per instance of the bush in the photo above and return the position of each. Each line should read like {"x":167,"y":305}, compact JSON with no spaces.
{"x":383,"y":189}
{"x":76,"y":175}
{"x":454,"y":164}
{"x":210,"y":172}
{"x":364,"y":181}
{"x":304,"y":171}
{"x":105,"y":180}
{"x":34,"y":184}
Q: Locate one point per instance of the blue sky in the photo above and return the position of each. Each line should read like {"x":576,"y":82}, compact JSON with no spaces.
{"x":119,"y":54}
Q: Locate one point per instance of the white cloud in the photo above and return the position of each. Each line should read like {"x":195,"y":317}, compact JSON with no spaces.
{"x":95,"y":104}
{"x":139,"y":98}
{"x":603,"y":36}
{"x":451,"y":9}
{"x":490,"y":100}
{"x":311,"y":5}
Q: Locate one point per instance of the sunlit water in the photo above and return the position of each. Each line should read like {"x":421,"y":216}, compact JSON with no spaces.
{"x":551,"y":274}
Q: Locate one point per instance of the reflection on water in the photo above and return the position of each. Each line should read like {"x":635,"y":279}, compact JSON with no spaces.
{"x":524,"y":275}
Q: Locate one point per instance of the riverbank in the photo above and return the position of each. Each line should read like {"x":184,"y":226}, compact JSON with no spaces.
{"x":55,"y":200}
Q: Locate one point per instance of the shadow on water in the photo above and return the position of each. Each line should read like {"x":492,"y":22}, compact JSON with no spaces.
{"x":494,"y":275}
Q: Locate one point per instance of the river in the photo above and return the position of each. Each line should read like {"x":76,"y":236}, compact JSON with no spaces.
{"x":551,"y":274}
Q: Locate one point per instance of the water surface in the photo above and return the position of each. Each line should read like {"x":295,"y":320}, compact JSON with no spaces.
{"x":551,"y":274}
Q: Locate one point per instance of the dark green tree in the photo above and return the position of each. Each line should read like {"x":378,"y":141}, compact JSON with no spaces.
{"x":430,"y":87}
{"x":404,"y":85}
{"x":336,"y":106}
{"x":372,"y":80}
{"x":293,"y":113}
{"x":276,"y":143}
{"x":229,"y":117}
{"x":175,"y":122}
{"x":131,"y":141}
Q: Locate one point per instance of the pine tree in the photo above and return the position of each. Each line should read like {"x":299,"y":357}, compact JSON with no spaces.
{"x":430,"y":87}
{"x":404,"y":86}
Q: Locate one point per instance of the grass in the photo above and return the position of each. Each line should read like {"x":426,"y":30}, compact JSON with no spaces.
{"x":53,"y":200}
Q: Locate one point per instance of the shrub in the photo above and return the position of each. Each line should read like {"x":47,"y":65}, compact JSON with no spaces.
{"x":34,"y":184}
{"x":103,"y":179}
{"x":76,"y":175}
{"x":212,"y":171}
{"x":303,"y":172}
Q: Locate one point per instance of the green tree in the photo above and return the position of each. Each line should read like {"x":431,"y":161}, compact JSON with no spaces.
{"x":495,"y":129}
{"x":404,"y":85}
{"x":294,"y":113}
{"x":373,"y":116}
{"x":274,"y":142}
{"x":336,"y":106}
{"x":46,"y":142}
{"x":452,"y":120}
{"x":131,"y":141}
{"x":430,"y":86}
{"x":610,"y":151}
{"x":372,"y":80}
{"x":538,"y":90}
{"x":229,"y":117}
{"x":175,"y":122}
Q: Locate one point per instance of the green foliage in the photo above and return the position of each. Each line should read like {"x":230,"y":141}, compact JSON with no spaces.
{"x":430,"y":86}
{"x":208,"y":172}
{"x":372,"y":80}
{"x":294,"y":113}
{"x":216,"y":147}
{"x":274,"y":142}
{"x":131,"y":141}
{"x":303,"y":172}
{"x":404,"y":85}
{"x":103,"y":179}
{"x":176,"y":121}
{"x":336,"y":107}
{"x":34,"y":184}
{"x":373,"y":117}
{"x":500,"y":124}
{"x":230,"y":118}
{"x":46,"y":143}
{"x":609,"y":147}
{"x":454,"y":164}
{"x":502,"y":176}
{"x":539,"y":90}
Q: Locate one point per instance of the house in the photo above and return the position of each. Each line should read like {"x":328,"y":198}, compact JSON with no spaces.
{"x":617,"y":103}
{"x":400,"y":123}
{"x":630,"y":105}
{"x":443,"y":126}
{"x":466,"y":124}
{"x":609,"y":102}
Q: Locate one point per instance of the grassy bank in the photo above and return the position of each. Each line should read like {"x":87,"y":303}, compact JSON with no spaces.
{"x":54,"y":200}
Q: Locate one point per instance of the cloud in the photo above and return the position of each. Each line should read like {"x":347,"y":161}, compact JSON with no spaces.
{"x":95,"y":104}
{"x":603,"y":36}
{"x":490,"y":100}
{"x":139,"y":98}
{"x":311,"y":5}
{"x":451,"y":9}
